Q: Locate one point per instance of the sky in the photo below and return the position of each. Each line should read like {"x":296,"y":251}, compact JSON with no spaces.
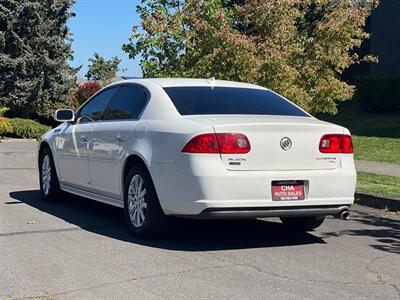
{"x":103,"y":26}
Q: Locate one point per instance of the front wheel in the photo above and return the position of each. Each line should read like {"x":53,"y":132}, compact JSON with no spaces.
{"x":303,"y":223}
{"x":49,"y":186}
{"x":142,"y":209}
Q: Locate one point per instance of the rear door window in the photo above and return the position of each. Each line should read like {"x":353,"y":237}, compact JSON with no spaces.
{"x":230,"y":100}
{"x":128,"y":103}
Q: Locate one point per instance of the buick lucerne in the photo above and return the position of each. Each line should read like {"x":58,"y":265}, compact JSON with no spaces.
{"x":197,"y":148}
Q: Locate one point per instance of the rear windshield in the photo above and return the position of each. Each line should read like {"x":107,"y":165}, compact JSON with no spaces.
{"x":228,"y":100}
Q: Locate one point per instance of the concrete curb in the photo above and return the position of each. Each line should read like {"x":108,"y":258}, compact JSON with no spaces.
{"x":13,"y":140}
{"x":378,"y":201}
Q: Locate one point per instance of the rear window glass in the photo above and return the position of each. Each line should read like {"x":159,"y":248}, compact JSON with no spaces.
{"x":227,"y":100}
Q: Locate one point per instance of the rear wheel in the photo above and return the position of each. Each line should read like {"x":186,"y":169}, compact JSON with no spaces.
{"x":142,"y":209}
{"x":49,"y":185}
{"x":303,"y":223}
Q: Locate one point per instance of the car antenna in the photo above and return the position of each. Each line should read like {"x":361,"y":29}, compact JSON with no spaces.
{"x":212,"y":82}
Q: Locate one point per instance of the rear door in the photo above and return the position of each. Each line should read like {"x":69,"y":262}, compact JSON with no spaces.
{"x":113,"y":137}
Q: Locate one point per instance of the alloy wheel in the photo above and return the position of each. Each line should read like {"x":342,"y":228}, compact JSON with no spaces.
{"x":136,"y":201}
{"x":46,"y":175}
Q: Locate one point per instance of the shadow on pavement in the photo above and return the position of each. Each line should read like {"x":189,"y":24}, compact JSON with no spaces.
{"x":385,"y":231}
{"x":187,"y":235}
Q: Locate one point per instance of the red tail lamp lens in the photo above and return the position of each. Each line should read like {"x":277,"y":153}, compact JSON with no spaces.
{"x":233,"y":143}
{"x":204,"y":143}
{"x":336,"y":143}
{"x":224,"y":143}
{"x":347,"y":143}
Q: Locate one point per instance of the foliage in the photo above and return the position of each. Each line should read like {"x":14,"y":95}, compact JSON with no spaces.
{"x":83,"y":92}
{"x":297,"y":48}
{"x":3,"y":110}
{"x":101,"y":69}
{"x":5,"y":126}
{"x":35,"y":46}
{"x":378,"y":93}
{"x":25,"y":128}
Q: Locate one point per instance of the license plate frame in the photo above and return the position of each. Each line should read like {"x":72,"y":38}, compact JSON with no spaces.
{"x":288,"y":190}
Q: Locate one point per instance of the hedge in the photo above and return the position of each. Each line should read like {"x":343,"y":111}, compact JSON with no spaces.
{"x":378,"y":93}
{"x":5,"y":126}
{"x":3,"y":110}
{"x":22,"y":128}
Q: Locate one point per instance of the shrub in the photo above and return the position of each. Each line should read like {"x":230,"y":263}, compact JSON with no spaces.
{"x":3,"y":110}
{"x":5,"y":126}
{"x":25,"y":128}
{"x":378,"y":93}
{"x":83,"y":92}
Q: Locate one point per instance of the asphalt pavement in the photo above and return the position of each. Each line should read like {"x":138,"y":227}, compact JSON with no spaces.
{"x":80,"y":249}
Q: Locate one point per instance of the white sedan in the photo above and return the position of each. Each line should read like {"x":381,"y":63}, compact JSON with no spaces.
{"x":199,"y":148}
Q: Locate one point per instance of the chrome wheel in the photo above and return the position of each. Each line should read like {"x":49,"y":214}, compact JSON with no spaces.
{"x":46,"y":175}
{"x":136,"y":201}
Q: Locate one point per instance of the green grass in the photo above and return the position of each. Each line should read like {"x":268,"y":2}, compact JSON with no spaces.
{"x":378,"y":184}
{"x":362,"y":123}
{"x":376,"y":135}
{"x":377,"y":149}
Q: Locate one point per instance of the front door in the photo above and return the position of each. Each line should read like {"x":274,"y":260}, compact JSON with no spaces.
{"x":72,"y":150}
{"x":74,"y":142}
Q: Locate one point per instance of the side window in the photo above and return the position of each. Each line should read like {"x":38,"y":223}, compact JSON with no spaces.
{"x":128,"y":103}
{"x":93,"y":111}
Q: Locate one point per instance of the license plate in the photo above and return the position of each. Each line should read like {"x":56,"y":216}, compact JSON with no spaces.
{"x":288,"y":190}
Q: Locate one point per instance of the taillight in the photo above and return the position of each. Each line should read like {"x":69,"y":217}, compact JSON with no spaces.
{"x":233,"y":143}
{"x":203,"y":143}
{"x":224,"y":143}
{"x":336,"y":143}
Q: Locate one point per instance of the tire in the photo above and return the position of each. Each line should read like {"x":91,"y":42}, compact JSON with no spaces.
{"x":146,"y":219}
{"x":304,"y":223}
{"x":49,"y":185}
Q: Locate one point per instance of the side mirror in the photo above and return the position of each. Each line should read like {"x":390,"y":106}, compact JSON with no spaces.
{"x":64,"y":115}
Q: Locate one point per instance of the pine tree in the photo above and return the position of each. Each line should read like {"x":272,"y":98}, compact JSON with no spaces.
{"x":35,"y":46}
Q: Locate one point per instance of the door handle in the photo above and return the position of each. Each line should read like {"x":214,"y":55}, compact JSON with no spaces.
{"x":120,"y":138}
{"x":84,"y":139}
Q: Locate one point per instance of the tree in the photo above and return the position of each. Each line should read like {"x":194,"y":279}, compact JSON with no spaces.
{"x":35,"y":46}
{"x":101,"y":69}
{"x":297,"y":48}
{"x":81,"y":93}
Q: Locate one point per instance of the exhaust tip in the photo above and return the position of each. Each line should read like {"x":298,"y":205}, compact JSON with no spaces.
{"x":345,"y":215}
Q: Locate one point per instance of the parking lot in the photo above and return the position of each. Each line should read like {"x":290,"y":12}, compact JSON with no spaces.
{"x":80,"y":249}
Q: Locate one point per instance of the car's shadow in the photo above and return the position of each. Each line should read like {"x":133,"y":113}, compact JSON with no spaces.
{"x":187,"y":235}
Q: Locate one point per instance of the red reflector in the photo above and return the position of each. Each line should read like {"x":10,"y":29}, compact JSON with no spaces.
{"x":336,"y":143}
{"x":224,"y":143}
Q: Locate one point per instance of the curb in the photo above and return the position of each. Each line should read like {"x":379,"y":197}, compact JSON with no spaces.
{"x":377,"y":201}
{"x":17,"y":140}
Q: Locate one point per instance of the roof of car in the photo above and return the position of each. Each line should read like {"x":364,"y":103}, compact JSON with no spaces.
{"x":173,"y":82}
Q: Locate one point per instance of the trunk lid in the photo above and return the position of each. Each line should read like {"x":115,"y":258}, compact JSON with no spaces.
{"x":267,"y":133}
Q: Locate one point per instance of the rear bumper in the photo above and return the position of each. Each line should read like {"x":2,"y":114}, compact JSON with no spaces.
{"x":201,"y":187}
{"x":265,"y":212}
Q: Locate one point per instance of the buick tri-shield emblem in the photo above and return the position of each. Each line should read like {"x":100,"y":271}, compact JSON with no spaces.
{"x":286,"y":143}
